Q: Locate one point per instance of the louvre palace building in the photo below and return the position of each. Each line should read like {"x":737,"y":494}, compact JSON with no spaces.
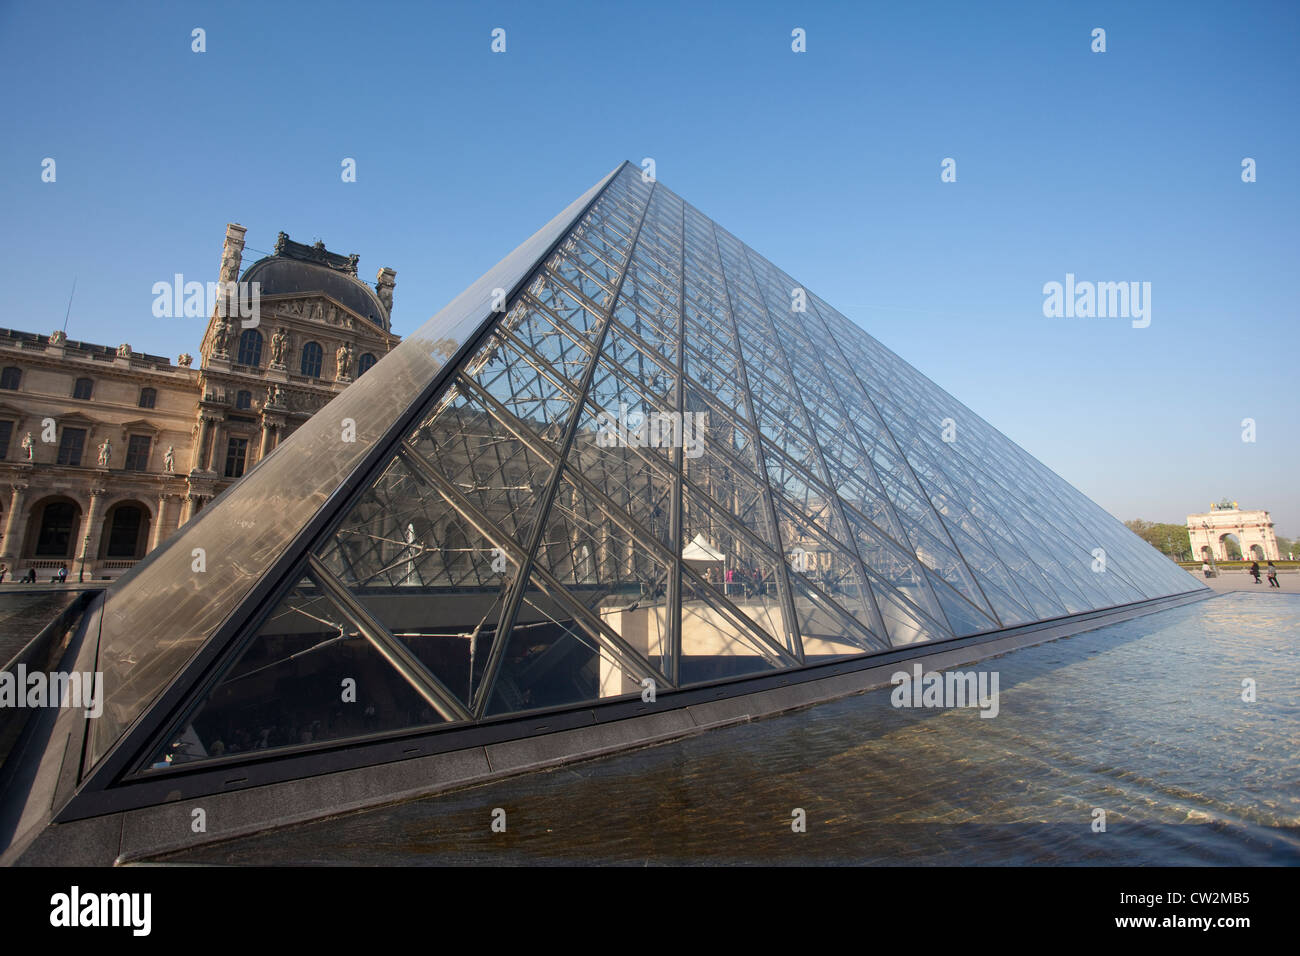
{"x":105,"y":450}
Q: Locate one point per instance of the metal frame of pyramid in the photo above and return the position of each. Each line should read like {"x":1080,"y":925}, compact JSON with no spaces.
{"x":504,"y":537}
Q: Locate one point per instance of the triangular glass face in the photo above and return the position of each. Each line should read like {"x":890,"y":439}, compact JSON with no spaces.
{"x":309,"y":676}
{"x":634,"y":451}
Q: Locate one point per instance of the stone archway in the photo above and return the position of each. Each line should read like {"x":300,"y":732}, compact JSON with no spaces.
{"x":1256,"y":553}
{"x":1225,"y":552}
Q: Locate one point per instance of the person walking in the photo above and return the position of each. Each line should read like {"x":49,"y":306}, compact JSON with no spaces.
{"x":1254,"y":569}
{"x":1205,"y":568}
{"x":63,"y":573}
{"x":4,"y":569}
{"x":1272,"y":576}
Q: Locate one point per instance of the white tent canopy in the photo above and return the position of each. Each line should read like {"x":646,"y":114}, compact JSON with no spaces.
{"x":700,"y":550}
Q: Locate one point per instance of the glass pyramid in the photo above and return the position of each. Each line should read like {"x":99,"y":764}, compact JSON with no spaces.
{"x":635,"y":451}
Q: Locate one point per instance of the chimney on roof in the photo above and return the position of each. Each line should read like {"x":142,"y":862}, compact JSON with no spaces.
{"x":232,"y":252}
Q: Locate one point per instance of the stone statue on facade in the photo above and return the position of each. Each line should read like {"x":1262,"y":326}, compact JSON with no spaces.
{"x":28,"y":446}
{"x":105,"y":453}
{"x":124,"y":351}
{"x":229,"y":265}
{"x":169,"y":459}
{"x":58,"y":337}
{"x":280,"y":240}
{"x":279,"y":345}
{"x":343,"y":359}
{"x":185,"y":360}
{"x":220,"y":333}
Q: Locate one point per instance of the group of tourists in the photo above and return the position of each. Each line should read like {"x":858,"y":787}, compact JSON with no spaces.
{"x":740,"y":582}
{"x":1210,"y":572}
{"x":59,"y":576}
{"x":1272,"y":574}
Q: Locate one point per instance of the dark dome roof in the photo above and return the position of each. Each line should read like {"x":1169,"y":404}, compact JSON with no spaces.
{"x":282,"y":275}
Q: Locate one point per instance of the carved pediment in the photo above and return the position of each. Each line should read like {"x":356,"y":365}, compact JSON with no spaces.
{"x":319,"y":309}
{"x":140,"y":426}
{"x":77,"y":420}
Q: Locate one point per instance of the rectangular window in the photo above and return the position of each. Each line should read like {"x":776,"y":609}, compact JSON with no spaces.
{"x":6,"y":432}
{"x":70,"y":445}
{"x":236,"y":452}
{"x":137,"y":453}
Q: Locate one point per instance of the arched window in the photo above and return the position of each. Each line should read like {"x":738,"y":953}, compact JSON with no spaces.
{"x":126,"y":531}
{"x":311,"y":359}
{"x":250,"y":348}
{"x":10,"y":378}
{"x":82,"y":389}
{"x":58,"y":521}
{"x":147,"y":397}
{"x":244,"y":400}
{"x":364,"y":363}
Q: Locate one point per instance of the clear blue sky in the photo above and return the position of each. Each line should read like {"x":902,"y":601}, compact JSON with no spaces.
{"x":1122,"y":166}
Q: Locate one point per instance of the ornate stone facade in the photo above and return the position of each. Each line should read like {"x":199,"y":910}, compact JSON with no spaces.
{"x":1253,"y":530}
{"x":105,"y":451}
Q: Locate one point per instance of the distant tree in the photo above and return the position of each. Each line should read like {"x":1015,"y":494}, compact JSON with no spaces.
{"x":1170,"y":539}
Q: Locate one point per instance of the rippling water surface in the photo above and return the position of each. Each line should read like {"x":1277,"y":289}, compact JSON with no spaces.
{"x":1144,"y":720}
{"x":24,"y":613}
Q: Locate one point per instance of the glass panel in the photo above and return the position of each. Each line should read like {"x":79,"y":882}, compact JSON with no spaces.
{"x":737,"y":566}
{"x":604,"y":565}
{"x":307,"y":677}
{"x":717,"y":641}
{"x":637,"y":480}
{"x":817,"y":563}
{"x":962,"y":617}
{"x":496,"y":471}
{"x":553,"y":658}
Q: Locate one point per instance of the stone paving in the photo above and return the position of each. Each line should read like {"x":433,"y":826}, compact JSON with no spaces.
{"x":1229,"y":581}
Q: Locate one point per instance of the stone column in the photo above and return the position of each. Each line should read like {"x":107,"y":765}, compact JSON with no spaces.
{"x":193,"y":503}
{"x":14,"y":525}
{"x":267,"y":432}
{"x":209,"y":432}
{"x":161,"y":526}
{"x":201,"y":443}
{"x":211,"y":456}
{"x":93,"y":528}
